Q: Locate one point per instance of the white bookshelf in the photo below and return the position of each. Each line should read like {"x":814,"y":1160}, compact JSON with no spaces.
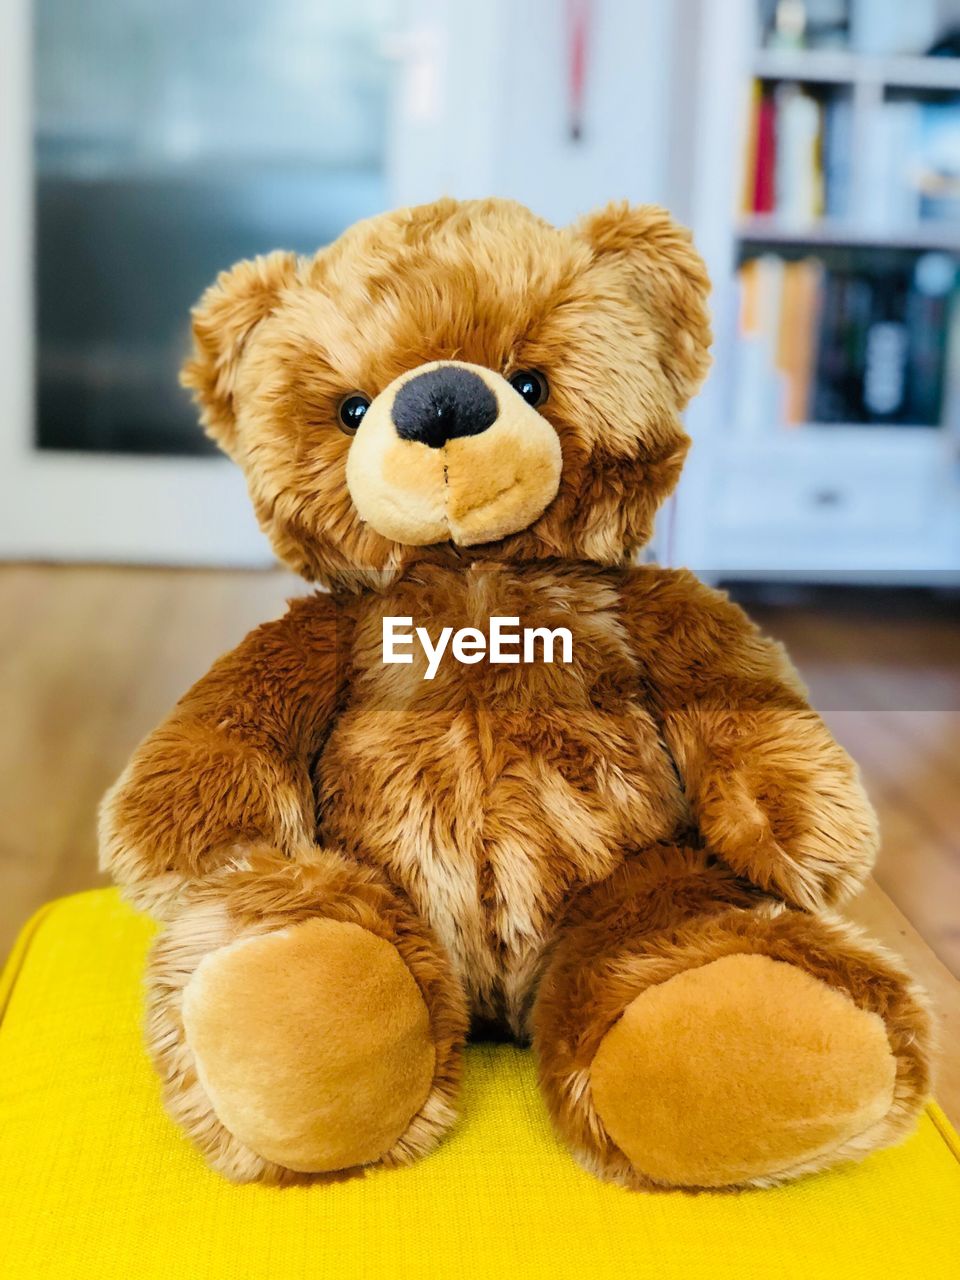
{"x":836,"y":233}
{"x":857,"y":503}
{"x":813,"y":66}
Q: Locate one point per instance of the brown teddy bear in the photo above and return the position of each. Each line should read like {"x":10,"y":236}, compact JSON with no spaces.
{"x":497,"y":773}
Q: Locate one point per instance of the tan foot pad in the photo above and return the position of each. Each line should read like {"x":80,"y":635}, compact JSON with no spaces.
{"x":313,"y":1044}
{"x":739,"y":1070}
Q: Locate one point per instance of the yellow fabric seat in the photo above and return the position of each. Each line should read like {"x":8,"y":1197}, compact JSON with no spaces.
{"x":96,"y":1181}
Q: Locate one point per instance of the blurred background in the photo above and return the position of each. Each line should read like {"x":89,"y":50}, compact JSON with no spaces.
{"x":812,"y":145}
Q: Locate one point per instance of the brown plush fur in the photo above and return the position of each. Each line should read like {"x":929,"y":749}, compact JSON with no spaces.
{"x":541,"y":844}
{"x":673,"y":912}
{"x":268,"y":894}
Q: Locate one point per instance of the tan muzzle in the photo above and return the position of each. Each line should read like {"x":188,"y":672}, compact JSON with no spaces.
{"x":451,"y":451}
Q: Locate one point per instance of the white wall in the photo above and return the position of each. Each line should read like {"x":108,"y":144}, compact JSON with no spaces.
{"x":483,"y":104}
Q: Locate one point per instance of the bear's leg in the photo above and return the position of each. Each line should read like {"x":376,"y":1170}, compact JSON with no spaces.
{"x":691,"y":1033}
{"x":304,"y":1021}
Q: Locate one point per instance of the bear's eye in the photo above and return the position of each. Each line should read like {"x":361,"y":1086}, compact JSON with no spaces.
{"x":531,"y":385}
{"x":351,"y":411}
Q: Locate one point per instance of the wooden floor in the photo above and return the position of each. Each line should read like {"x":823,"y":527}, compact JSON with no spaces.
{"x":884,"y":671}
{"x":92,"y":658}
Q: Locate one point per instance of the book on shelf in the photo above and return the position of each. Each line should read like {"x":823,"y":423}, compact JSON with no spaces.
{"x":889,"y":200}
{"x":806,"y":24}
{"x":931,"y":314}
{"x":875,"y":27}
{"x":784,"y":158}
{"x":802,"y":160}
{"x":951,"y":372}
{"x":800,"y":307}
{"x":830,"y":343}
{"x":779,"y":313}
{"x":798,"y":182}
{"x":757,"y":401}
{"x":837,"y":156}
{"x":911,"y":164}
{"x":936,"y":165}
{"x":885,"y":27}
{"x":763,"y":153}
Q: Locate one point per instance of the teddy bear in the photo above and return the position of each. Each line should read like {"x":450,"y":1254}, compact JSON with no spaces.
{"x":600,"y":818}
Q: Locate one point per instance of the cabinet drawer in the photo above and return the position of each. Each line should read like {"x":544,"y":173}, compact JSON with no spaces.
{"x":842,"y":494}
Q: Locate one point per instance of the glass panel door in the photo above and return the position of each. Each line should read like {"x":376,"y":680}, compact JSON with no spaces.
{"x":169,"y":141}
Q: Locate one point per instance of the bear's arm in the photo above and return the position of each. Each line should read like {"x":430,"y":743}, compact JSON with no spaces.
{"x":230,"y":767}
{"x":771,"y":791}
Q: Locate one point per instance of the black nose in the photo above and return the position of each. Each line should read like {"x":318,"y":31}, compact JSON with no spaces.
{"x":443,"y":403}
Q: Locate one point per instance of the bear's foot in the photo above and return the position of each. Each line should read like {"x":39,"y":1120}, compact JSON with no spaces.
{"x":693,"y":1033}
{"x":305,"y":1023}
{"x":742,"y":1070}
{"x":313,"y":1044}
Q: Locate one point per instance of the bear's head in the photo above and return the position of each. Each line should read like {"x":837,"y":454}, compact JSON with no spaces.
{"x":457,"y":381}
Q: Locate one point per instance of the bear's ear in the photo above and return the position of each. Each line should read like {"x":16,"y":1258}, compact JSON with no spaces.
{"x":666,"y":275}
{"x":223,"y":320}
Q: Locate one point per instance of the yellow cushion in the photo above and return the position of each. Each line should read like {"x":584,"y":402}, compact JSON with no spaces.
{"x":95,"y":1181}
